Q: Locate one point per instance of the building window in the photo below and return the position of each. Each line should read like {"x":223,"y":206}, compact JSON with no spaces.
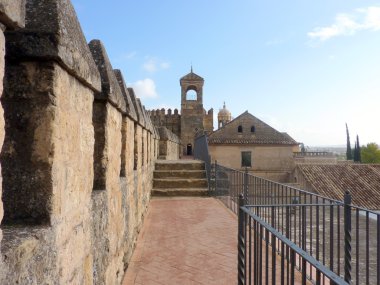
{"x":246,"y":159}
{"x":253,"y":129}
{"x":240,"y":129}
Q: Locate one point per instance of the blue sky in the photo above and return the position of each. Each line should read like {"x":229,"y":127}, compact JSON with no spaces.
{"x":304,"y":67}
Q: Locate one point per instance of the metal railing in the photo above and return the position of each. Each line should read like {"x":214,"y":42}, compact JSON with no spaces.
{"x":324,"y":234}
{"x":314,"y":153}
{"x":201,"y":152}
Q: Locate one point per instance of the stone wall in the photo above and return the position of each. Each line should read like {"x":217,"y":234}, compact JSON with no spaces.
{"x":165,"y":118}
{"x":12,"y":17}
{"x":78,"y":154}
{"x":169,"y":145}
{"x":208,"y":121}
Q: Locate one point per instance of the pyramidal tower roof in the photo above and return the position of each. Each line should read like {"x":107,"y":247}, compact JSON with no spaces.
{"x":192,"y":76}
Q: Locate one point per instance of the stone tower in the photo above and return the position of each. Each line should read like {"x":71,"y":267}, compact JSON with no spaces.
{"x":224,"y":116}
{"x":192,"y":112}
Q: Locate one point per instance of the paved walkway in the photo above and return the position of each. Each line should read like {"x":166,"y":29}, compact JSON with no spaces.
{"x":185,"y":241}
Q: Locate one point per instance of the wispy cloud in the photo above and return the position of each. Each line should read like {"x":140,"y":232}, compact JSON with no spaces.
{"x":126,"y":57}
{"x":153,"y":64}
{"x":145,"y":88}
{"x":347,"y":24}
{"x":130,"y":55}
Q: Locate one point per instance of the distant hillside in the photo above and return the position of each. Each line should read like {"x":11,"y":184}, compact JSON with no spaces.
{"x":337,"y":149}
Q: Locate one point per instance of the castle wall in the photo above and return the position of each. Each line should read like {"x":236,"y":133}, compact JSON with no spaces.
{"x":169,"y":145}
{"x":208,"y":121}
{"x":78,"y":155}
{"x":12,"y":16}
{"x":163,"y":118}
{"x":2,"y":131}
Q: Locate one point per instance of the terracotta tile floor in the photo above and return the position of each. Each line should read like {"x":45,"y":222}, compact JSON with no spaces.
{"x":185,"y":241}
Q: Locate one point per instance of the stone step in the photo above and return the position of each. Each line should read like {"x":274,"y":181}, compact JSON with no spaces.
{"x":177,"y":165}
{"x":190,"y":174}
{"x":187,"y":192}
{"x":179,"y":183}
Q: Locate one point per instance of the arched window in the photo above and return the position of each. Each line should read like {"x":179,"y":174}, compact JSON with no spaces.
{"x":240,"y":129}
{"x":253,"y":129}
{"x":191,"y":95}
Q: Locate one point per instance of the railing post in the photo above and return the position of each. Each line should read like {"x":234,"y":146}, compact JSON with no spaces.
{"x":347,"y":237}
{"x":241,"y":242}
{"x":245,"y":190}
{"x":216,"y":176}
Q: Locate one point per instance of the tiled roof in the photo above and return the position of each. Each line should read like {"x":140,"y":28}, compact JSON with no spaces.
{"x":263,"y":133}
{"x":191,"y":76}
{"x":362,"y":180}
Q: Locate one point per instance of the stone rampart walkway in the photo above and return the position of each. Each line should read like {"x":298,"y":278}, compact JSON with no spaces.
{"x":185,"y":241}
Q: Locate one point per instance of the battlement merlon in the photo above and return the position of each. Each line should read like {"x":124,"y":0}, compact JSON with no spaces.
{"x":52,"y":32}
{"x":164,"y":112}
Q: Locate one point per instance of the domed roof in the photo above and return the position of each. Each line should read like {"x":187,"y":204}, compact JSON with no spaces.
{"x":224,"y":112}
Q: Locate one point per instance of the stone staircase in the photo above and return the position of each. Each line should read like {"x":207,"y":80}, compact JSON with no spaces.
{"x":180,"y":178}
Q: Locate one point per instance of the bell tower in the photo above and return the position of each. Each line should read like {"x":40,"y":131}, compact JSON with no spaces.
{"x":192,"y":112}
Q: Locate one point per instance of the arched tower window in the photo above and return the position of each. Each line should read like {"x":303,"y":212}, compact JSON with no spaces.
{"x":191,"y":95}
{"x":240,"y":129}
{"x":253,"y":129}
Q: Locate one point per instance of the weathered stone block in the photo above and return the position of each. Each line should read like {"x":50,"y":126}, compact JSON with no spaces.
{"x":130,"y":109}
{"x":27,"y":152}
{"x":12,"y":13}
{"x":30,"y":257}
{"x":52,"y":32}
{"x":169,"y":144}
{"x":2,"y":133}
{"x":138,"y":109}
{"x":111,"y":91}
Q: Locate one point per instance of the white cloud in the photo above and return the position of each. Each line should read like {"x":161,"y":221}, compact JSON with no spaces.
{"x":150,"y":66}
{"x":349,"y":24}
{"x":153,"y":64}
{"x":130,"y":55}
{"x":145,"y":88}
{"x":165,"y":65}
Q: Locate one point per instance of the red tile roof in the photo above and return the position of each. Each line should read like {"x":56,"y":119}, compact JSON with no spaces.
{"x":262,"y":134}
{"x":362,"y":180}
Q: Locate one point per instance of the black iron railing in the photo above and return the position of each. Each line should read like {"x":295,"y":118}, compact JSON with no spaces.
{"x":314,"y":153}
{"x":201,"y":152}
{"x":323,"y":234}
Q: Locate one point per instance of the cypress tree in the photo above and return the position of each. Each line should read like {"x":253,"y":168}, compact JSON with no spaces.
{"x":359,"y":150}
{"x":356,"y":152}
{"x":348,"y":151}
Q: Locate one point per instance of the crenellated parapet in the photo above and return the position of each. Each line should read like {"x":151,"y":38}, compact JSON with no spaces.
{"x":167,"y":118}
{"x":170,"y":144}
{"x":164,"y":112}
{"x":78,"y":153}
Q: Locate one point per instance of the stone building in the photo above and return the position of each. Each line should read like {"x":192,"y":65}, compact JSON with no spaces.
{"x":193,"y":117}
{"x":224,"y":116}
{"x":248,"y":142}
